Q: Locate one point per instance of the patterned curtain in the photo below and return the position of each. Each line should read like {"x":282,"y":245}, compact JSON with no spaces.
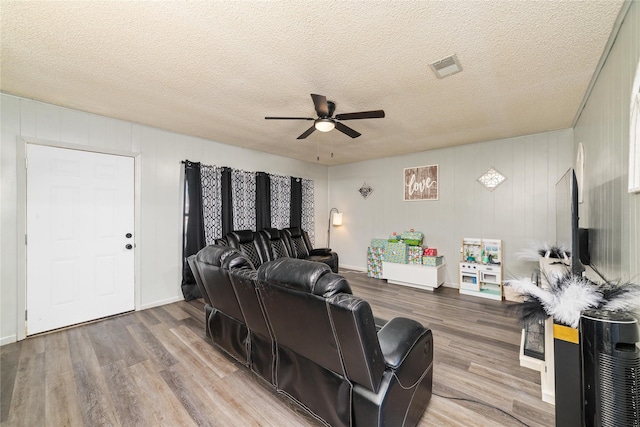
{"x":243,"y":189}
{"x":263,"y":205}
{"x":280,"y":201}
{"x":308,"y":210}
{"x":193,"y":228}
{"x":211,"y":177}
{"x":295,"y":216}
{"x":233,"y":199}
{"x":218,"y":200}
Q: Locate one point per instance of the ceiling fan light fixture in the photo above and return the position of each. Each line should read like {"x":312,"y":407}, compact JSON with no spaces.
{"x":324,"y":125}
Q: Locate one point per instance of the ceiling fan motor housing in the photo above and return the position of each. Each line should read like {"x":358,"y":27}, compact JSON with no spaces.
{"x":331,"y":106}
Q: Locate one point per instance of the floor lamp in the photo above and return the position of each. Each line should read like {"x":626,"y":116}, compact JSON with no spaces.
{"x":337,"y":220}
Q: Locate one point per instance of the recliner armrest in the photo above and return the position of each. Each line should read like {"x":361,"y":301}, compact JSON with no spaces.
{"x":320,"y":251}
{"x":379,"y":322}
{"x":400,"y":338}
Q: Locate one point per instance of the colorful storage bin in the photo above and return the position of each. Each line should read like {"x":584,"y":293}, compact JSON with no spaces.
{"x":432,"y":261}
{"x":430,"y":252}
{"x":412,"y":238}
{"x":375,"y":256}
{"x":397,"y":252}
{"x":379,"y":243}
{"x":415,"y":254}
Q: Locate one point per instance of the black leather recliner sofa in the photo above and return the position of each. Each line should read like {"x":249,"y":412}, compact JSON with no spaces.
{"x":307,"y":335}
{"x":270,"y":244}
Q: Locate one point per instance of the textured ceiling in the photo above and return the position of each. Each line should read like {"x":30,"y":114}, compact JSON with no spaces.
{"x":215,"y":69}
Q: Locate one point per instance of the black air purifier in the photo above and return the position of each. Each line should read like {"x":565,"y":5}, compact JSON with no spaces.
{"x":611,"y":368}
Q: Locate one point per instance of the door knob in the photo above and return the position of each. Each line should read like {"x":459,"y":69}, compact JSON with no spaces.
{"x":129,"y":246}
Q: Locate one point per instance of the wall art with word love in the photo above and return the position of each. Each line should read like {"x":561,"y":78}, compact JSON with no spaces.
{"x":421,"y":183}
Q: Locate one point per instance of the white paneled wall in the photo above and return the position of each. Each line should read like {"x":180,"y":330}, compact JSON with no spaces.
{"x":159,"y":188}
{"x":520,"y":210}
{"x":613,"y":215}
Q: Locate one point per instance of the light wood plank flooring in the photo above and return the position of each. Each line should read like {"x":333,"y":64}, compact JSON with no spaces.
{"x":155,"y":368}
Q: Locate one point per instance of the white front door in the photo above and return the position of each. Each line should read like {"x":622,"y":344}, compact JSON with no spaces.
{"x":80,"y":236}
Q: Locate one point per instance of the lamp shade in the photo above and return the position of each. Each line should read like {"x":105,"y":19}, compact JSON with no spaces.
{"x":337,"y":218}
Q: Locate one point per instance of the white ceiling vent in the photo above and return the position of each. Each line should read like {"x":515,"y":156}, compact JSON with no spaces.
{"x":446,"y":66}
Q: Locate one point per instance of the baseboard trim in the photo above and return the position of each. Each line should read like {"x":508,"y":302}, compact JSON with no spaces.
{"x":13,"y":338}
{"x":8,"y":340}
{"x":161,"y":302}
{"x":364,"y":270}
{"x":353,"y":267}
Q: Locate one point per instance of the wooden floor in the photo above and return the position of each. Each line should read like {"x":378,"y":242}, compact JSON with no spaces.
{"x":154,"y":367}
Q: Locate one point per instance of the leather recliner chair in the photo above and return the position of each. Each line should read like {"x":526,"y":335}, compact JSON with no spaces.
{"x":224,"y":320}
{"x":299,"y":246}
{"x":308,"y":361}
{"x":262,"y":350}
{"x":391,"y":369}
{"x":275,"y":244}
{"x":250,"y":243}
{"x":330,"y":357}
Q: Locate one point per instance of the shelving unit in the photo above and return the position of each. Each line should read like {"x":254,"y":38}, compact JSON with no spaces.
{"x":481,"y":268}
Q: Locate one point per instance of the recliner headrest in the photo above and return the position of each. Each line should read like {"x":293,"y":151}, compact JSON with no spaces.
{"x":302,"y":275}
{"x":272,"y":233}
{"x":333,"y":284}
{"x":243,"y":236}
{"x":237,"y":261}
{"x":215,"y":255}
{"x":295,"y":231}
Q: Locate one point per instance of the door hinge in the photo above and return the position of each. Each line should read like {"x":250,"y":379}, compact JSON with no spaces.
{"x":26,"y":163}
{"x":25,"y":315}
{"x":25,"y":239}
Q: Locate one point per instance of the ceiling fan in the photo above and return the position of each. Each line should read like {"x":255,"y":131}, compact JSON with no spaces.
{"x":326,"y":122}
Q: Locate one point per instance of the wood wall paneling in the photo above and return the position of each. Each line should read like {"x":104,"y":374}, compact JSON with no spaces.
{"x":158,"y":236}
{"x":517,"y":212}
{"x":610,"y":212}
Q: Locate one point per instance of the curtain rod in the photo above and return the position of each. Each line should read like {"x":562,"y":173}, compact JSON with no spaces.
{"x":184,"y":162}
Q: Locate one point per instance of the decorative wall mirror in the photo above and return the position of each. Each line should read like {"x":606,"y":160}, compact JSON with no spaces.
{"x":365,"y":190}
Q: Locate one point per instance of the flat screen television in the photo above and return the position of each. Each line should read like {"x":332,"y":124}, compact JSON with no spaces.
{"x":567,"y":231}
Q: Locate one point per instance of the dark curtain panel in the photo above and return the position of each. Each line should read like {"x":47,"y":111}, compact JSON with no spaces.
{"x":193,"y":227}
{"x":227,"y":202}
{"x":295,"y":219}
{"x":263,"y":201}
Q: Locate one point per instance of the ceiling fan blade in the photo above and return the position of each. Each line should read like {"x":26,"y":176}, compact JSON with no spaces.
{"x":347,"y":130}
{"x":320,"y":102}
{"x":288,"y":118}
{"x":376,"y":114}
{"x":307,"y":132}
